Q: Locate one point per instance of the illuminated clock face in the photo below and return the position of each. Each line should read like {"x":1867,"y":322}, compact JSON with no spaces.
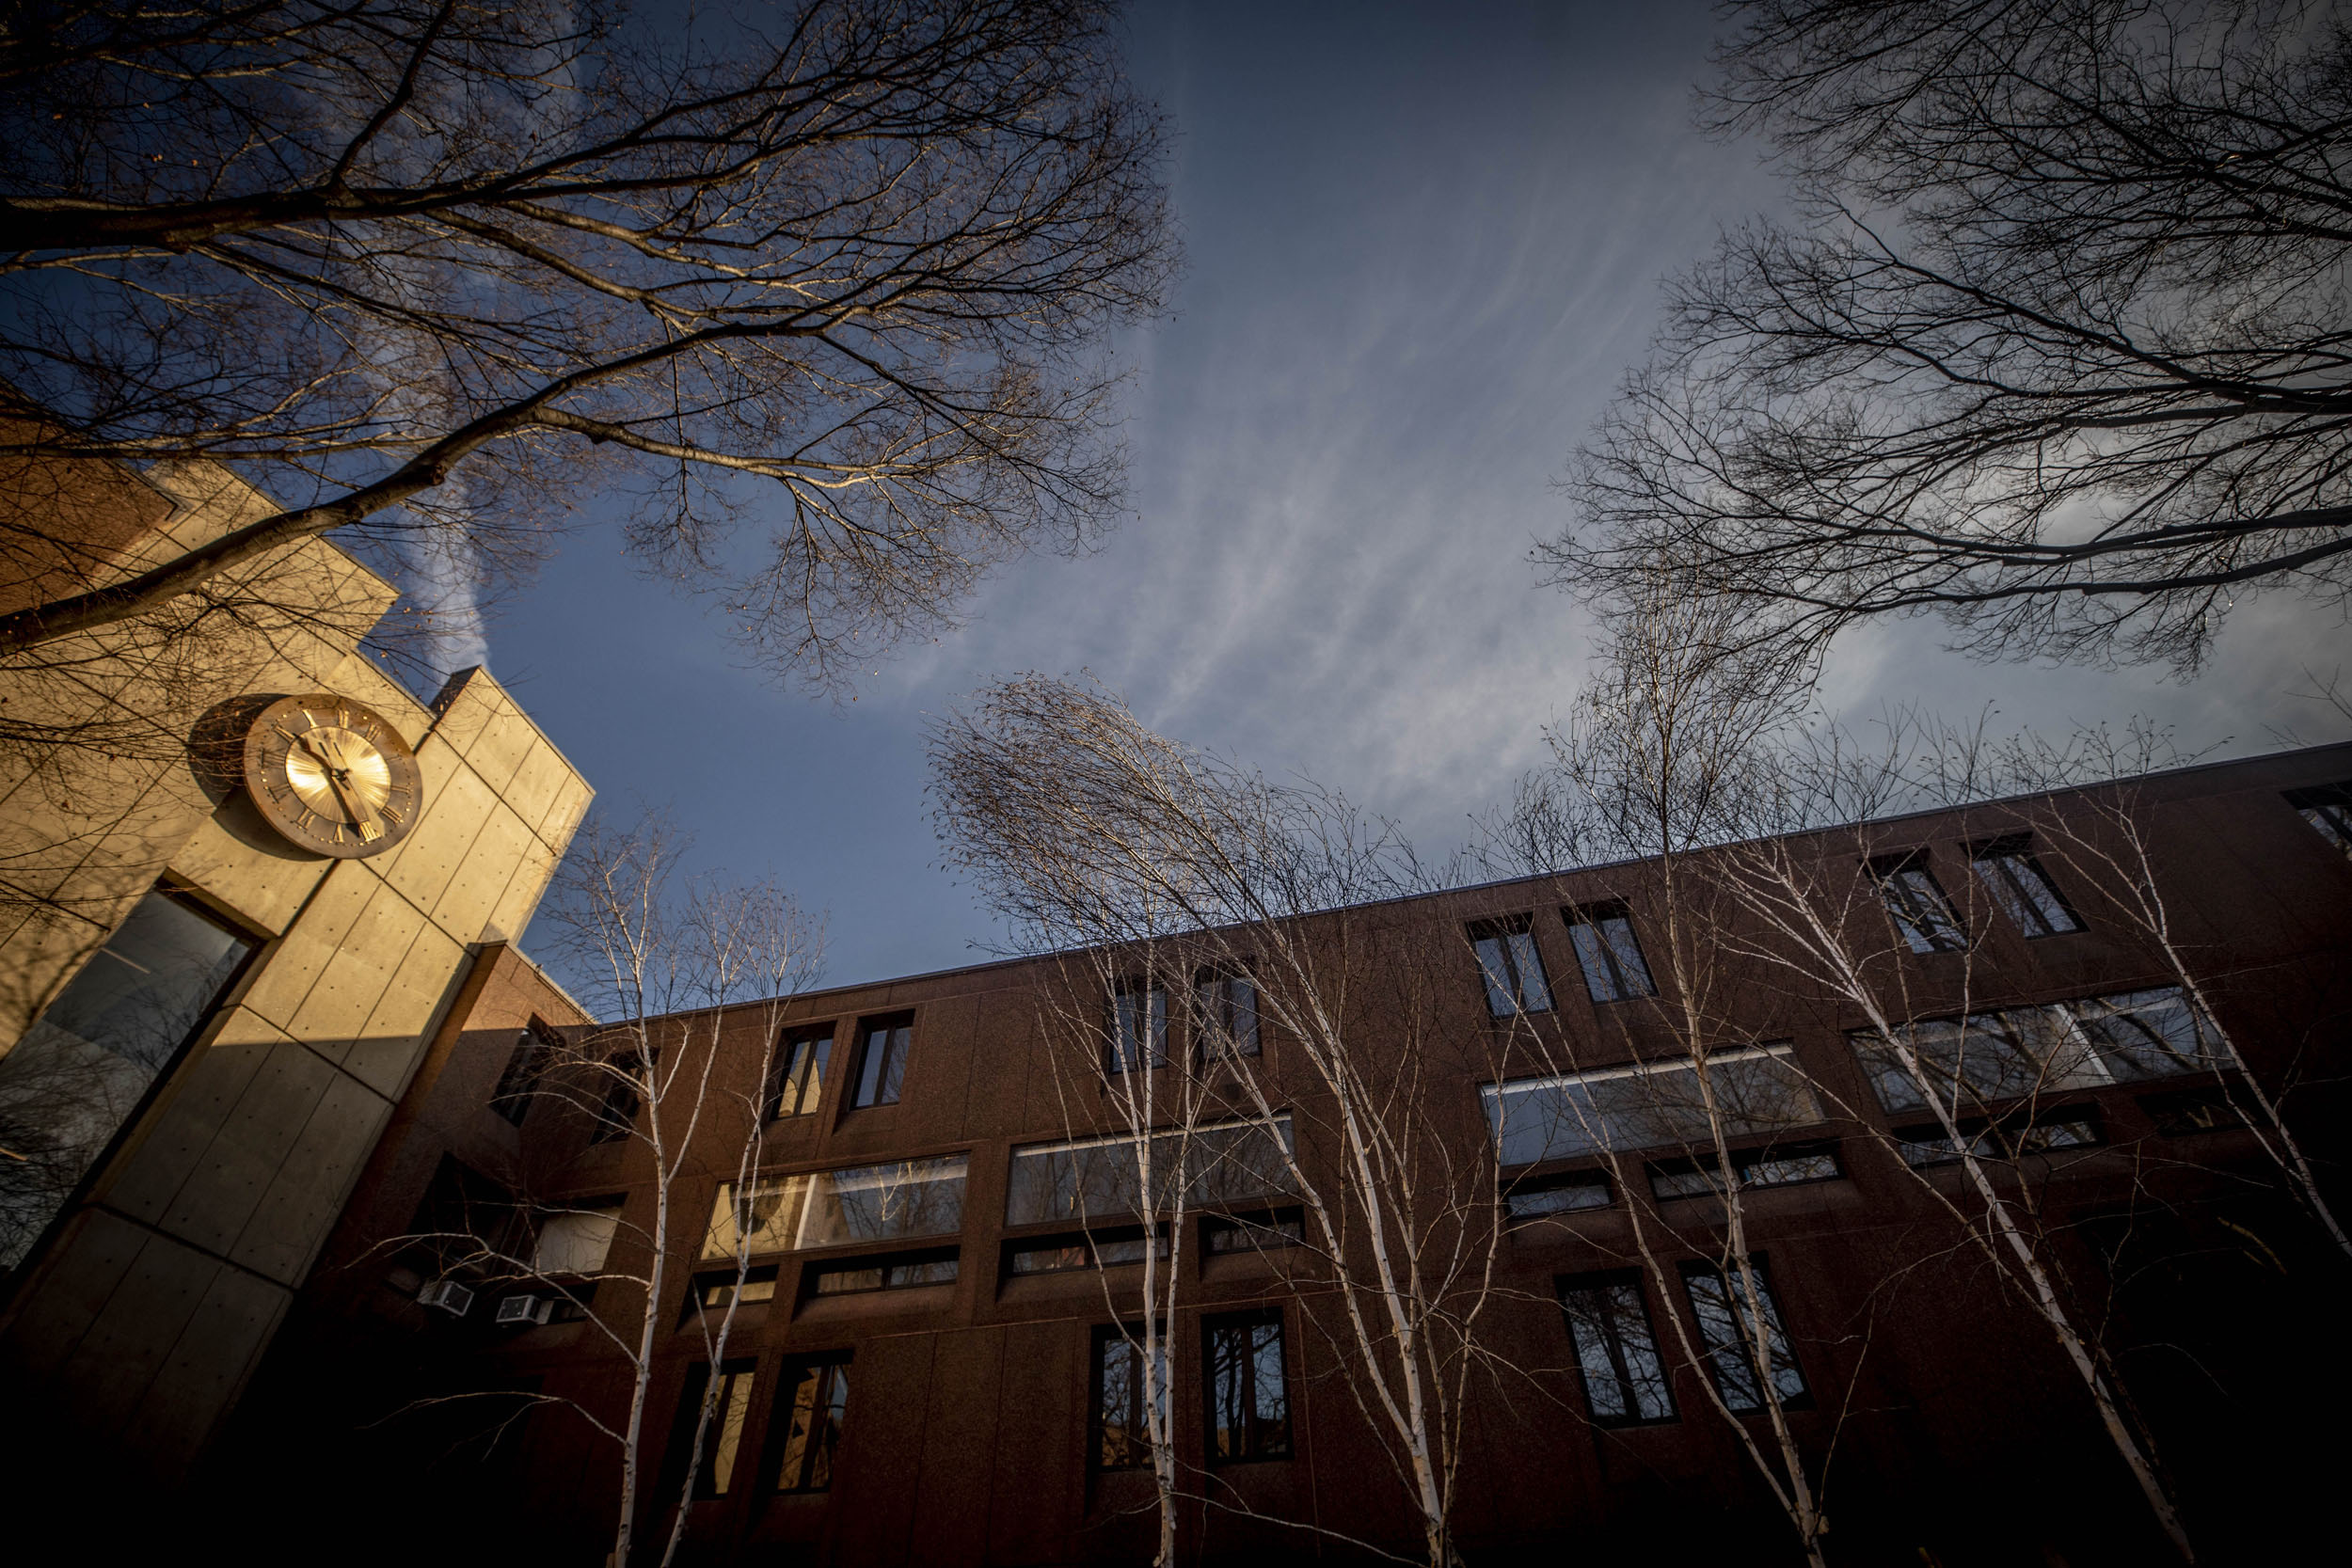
{"x":333,"y":775}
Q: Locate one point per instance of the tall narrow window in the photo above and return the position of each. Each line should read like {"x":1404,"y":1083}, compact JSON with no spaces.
{"x":808,"y":1423}
{"x":1921,"y":911}
{"x":616,"y":1112}
{"x":1512,"y":968}
{"x":1728,"y":1327}
{"x":1250,"y":1401}
{"x":1226,"y":1007}
{"x":1138,"y":1028}
{"x":1123,"y":1438}
{"x":719,"y":1405}
{"x":85,"y":1065}
{"x":1609,"y":953}
{"x":1624,"y":1380}
{"x":2025,"y":892}
{"x":796,"y":1073}
{"x":533,"y":1048}
{"x":883,"y":1065}
{"x":2328,"y":808}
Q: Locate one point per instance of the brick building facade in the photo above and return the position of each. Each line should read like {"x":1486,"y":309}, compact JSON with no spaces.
{"x":937,"y":1375}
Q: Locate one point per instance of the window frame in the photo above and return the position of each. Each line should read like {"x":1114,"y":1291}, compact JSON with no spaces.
{"x":1215,"y":1039}
{"x":1743,"y":1161}
{"x":1997,"y":863}
{"x":722,"y":1455}
{"x":615,"y":1118}
{"x":1595,"y":918}
{"x":1609,"y":1326}
{"x":882,"y":1070}
{"x":1120,"y":1053}
{"x":1515,"y":948}
{"x":2328,"y":808}
{"x":1735,"y":1309}
{"x":518,"y":1085}
{"x":884,"y":1264}
{"x":1128,"y":1338}
{"x":1255,"y":1448}
{"x":790,"y":1076}
{"x":1928,"y":923}
{"x":808,"y":1473}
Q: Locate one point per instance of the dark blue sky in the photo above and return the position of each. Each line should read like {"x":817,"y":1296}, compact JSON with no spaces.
{"x":1423,"y":243}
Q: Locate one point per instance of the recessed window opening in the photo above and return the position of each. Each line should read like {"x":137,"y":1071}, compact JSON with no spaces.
{"x":1511,"y":966}
{"x":1224,"y":1234}
{"x":720,"y":1405}
{"x":2011,"y":1138}
{"x":534,"y":1048}
{"x":1917,"y":902}
{"x":1102,"y":1249}
{"x":1789,"y":1167}
{"x":899,"y":1200}
{"x":2186,"y":1113}
{"x":1249,"y":1387}
{"x":2328,"y":810}
{"x":809,"y":1421}
{"x":1616,"y":1354}
{"x":883,"y":1060}
{"x":2025,"y":892}
{"x":1721,"y":1303}
{"x":796,"y":1072}
{"x":1138,"y":1028}
{"x":713,"y":1292}
{"x":1225,"y":1007}
{"x":616,"y":1112}
{"x":1759,"y":1091}
{"x":1123,"y":1438}
{"x":1545,"y":1197}
{"x":1609,"y":953}
{"x":899,"y":1272}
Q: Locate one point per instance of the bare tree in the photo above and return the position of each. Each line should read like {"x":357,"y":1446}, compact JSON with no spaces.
{"x":2054,"y":345}
{"x":2102,"y":832}
{"x":1657,"y":764}
{"x":669,"y":969}
{"x":827,"y":286}
{"x":1083,"y":827}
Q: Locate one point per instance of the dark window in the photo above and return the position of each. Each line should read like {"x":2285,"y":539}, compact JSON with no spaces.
{"x":719,"y":1405}
{"x":1226,"y":1008}
{"x":465,"y":1224}
{"x":533,"y":1048}
{"x":1609,"y":953}
{"x":1250,"y":1400}
{"x":616,"y":1112}
{"x":2073,"y":1127}
{"x":85,"y":1065}
{"x":714,"y":1292}
{"x":882,"y":1065}
{"x":2189,"y":1112}
{"x":1921,"y":911}
{"x":900,"y":1272}
{"x":1101,"y":1249}
{"x":1511,"y":966}
{"x":2328,"y":808}
{"x":1624,"y":1382}
{"x":2025,"y":892}
{"x":1122,"y":1440}
{"x":808,"y":1423}
{"x":1728,"y":1327}
{"x":796,"y":1073}
{"x":1138,"y":1028}
{"x":1757,"y":1167}
{"x":1548,"y":1196}
{"x":1229,"y":1234}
